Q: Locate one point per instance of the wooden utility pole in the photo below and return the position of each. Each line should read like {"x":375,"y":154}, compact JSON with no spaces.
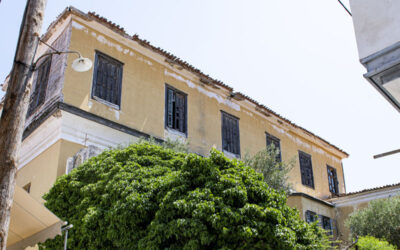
{"x":15,"y":107}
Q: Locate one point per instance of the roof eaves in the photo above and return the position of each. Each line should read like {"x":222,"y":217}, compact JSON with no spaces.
{"x":369,"y":190}
{"x":312,"y":198}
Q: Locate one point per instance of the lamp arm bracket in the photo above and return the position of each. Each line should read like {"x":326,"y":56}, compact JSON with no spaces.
{"x":33,"y":67}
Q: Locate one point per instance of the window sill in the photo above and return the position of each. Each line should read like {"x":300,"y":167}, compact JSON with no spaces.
{"x":231,"y":155}
{"x":111,"y":105}
{"x":174,"y":135}
{"x":313,"y":188}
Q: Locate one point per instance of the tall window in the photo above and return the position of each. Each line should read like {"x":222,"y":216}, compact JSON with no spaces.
{"x":175,"y":110}
{"x":272,"y":140}
{"x":332,"y":180}
{"x":39,"y":93}
{"x":107,"y":80}
{"x":326,"y":224}
{"x":307,"y":177}
{"x":311,"y":216}
{"x":230,"y":134}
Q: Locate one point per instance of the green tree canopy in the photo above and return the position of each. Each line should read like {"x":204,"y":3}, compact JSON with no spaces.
{"x":380,"y":219}
{"x":275,"y":172}
{"x":146,"y":196}
{"x":371,"y":243}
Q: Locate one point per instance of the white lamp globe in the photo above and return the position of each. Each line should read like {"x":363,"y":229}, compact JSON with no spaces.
{"x":82,"y":64}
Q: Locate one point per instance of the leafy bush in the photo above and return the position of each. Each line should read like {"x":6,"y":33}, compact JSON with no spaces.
{"x":275,"y":172}
{"x":175,"y":145}
{"x":380,"y":219}
{"x":371,"y":243}
{"x":148,"y":197}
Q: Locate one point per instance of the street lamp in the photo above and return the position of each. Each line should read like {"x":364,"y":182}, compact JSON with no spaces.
{"x":81,"y":64}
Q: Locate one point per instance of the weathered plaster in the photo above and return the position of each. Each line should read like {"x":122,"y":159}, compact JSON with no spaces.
{"x":376,"y":24}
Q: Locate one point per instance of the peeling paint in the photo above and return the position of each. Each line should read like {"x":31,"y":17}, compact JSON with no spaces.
{"x":145,"y":61}
{"x":116,"y":113}
{"x":318,"y":150}
{"x":282,"y":131}
{"x":174,"y":135}
{"x":78,"y":25}
{"x":210,"y":94}
{"x":304,"y":144}
{"x":118,"y":47}
{"x":248,"y":113}
{"x":180,"y":78}
{"x":103,"y":40}
{"x":230,"y":155}
{"x":324,"y":153}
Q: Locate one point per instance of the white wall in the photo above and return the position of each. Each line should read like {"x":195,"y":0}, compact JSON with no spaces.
{"x":376,"y":24}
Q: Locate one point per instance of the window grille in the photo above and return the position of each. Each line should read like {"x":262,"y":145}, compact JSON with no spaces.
{"x":39,"y":93}
{"x":307,"y":177}
{"x":327,"y":224}
{"x":107,"y":79}
{"x":311,"y":216}
{"x":176,"y":109}
{"x":272,"y":140}
{"x":332,"y":180}
{"x":230,"y":134}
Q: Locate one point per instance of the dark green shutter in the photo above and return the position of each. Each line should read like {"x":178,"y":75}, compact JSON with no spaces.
{"x":107,"y":79}
{"x":39,"y":93}
{"x":179,"y":112}
{"x":170,"y":98}
{"x":307,"y":177}
{"x":230,"y":134}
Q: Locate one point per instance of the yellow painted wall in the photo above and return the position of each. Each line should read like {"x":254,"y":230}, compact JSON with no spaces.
{"x":342,"y":214}
{"x":143,"y":103}
{"x":44,"y":169}
{"x":295,"y":202}
{"x":303,"y":204}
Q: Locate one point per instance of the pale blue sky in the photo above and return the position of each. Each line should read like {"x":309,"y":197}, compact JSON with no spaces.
{"x":297,"y":57}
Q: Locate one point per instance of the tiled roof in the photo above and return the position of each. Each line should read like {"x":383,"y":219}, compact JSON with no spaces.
{"x":176,"y":60}
{"x":370,"y":189}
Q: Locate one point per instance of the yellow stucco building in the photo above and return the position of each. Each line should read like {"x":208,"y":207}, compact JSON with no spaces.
{"x":136,"y":90}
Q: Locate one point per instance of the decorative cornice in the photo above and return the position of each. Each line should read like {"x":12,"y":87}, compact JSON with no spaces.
{"x":312,"y":198}
{"x":98,"y":119}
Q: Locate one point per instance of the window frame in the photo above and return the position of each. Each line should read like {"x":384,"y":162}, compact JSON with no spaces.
{"x":322,"y":223}
{"x":41,"y":95}
{"x":308,"y":215}
{"x":223,"y":113}
{"x":303,"y":181}
{"x":274,"y":139}
{"x":169,"y":87}
{"x":119,"y":80}
{"x":335,"y":180}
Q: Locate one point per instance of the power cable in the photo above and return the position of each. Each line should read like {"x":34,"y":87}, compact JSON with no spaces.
{"x":347,"y":10}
